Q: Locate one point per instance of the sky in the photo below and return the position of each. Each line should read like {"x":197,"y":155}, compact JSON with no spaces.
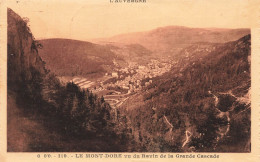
{"x":89,"y":19}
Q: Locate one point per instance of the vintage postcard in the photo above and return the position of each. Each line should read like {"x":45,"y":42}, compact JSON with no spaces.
{"x":130,"y":80}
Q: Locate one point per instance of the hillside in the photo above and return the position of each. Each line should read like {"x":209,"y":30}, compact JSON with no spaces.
{"x":72,"y":58}
{"x":45,"y":116}
{"x":171,"y":39}
{"x":203,"y":106}
{"x":67,"y":57}
{"x":132,"y":53}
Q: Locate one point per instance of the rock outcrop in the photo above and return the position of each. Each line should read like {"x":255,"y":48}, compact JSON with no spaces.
{"x":22,"y":51}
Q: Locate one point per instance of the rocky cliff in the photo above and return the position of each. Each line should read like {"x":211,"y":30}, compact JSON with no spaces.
{"x":22,"y":51}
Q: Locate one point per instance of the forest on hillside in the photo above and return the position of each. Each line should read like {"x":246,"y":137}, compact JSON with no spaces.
{"x":206,"y":99}
{"x":67,"y":112}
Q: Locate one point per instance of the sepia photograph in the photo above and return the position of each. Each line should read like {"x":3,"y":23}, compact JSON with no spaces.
{"x":128,"y":76}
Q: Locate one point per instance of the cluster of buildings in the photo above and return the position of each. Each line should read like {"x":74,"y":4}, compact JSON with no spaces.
{"x":131,"y":78}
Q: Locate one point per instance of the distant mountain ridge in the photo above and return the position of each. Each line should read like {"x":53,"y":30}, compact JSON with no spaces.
{"x":67,"y":57}
{"x":170,"y":40}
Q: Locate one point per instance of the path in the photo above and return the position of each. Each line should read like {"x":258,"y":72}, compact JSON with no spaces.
{"x":188,"y":136}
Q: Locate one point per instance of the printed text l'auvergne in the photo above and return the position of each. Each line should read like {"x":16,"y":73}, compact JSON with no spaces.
{"x":127,"y":1}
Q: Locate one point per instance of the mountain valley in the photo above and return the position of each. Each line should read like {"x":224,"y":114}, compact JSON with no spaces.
{"x":171,"y":89}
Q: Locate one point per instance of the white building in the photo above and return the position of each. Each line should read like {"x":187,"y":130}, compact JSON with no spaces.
{"x":115,"y":74}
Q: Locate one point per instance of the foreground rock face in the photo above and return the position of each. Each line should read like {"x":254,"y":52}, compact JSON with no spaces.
{"x":22,"y":51}
{"x":23,"y":63}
